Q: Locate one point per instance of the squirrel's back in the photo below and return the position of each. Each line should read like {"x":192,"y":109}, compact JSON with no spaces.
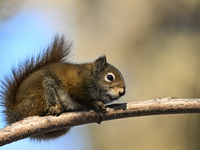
{"x":57,"y":52}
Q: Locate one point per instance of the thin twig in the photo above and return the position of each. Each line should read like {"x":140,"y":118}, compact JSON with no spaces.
{"x":36,"y":125}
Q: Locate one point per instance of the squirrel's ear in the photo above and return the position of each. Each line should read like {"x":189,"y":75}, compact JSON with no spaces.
{"x":99,"y":64}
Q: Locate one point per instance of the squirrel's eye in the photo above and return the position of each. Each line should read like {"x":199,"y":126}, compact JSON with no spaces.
{"x":110,"y":77}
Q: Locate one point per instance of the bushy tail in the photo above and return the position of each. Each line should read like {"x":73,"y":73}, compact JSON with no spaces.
{"x":56,"y":52}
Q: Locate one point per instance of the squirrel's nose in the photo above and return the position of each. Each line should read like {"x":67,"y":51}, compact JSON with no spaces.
{"x":122,"y":92}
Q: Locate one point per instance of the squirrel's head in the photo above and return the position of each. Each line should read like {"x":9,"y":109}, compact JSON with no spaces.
{"x":110,"y":82}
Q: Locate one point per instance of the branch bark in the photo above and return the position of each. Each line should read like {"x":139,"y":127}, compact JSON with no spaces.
{"x":36,"y":125}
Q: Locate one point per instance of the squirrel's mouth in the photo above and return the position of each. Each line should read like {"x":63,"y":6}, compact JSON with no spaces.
{"x":111,"y":98}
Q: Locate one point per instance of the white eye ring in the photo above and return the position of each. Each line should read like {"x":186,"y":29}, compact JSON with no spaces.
{"x":110,"y":77}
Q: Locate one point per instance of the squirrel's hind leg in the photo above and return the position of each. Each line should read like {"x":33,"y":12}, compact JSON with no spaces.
{"x":51,"y":96}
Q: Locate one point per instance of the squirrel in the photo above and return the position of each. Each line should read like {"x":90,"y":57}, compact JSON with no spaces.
{"x":50,"y":85}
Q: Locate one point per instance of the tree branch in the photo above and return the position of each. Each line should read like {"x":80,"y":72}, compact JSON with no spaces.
{"x":36,"y":125}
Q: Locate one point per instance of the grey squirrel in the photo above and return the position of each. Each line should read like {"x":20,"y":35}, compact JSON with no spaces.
{"x":49,"y":85}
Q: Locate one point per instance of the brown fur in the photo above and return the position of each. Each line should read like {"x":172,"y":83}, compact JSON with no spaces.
{"x":48,"y":85}
{"x":57,"y":52}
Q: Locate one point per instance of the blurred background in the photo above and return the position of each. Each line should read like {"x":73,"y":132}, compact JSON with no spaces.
{"x":155,"y":44}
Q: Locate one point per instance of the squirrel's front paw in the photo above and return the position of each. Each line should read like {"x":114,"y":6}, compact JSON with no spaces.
{"x":98,"y":106}
{"x":55,"y":109}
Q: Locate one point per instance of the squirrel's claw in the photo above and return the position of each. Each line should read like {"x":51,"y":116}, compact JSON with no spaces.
{"x":99,"y":107}
{"x":54,"y":110}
